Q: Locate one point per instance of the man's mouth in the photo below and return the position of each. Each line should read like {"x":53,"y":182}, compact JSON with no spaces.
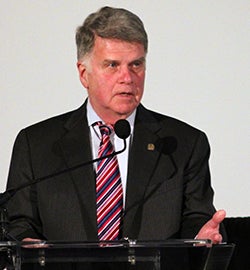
{"x":125,"y":94}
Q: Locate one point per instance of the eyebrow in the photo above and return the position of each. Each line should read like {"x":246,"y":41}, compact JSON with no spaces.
{"x":142,"y":59}
{"x":107,"y":61}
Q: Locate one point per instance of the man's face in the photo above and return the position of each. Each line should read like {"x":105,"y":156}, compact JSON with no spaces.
{"x":114,"y":77}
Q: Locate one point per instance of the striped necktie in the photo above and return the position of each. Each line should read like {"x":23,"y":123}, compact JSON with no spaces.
{"x":109,"y":195}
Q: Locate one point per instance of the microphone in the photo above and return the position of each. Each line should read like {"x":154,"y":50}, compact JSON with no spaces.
{"x":166,"y":146}
{"x":122,"y":130}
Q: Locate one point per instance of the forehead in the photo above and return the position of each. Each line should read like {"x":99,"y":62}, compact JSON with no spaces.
{"x":104,"y":47}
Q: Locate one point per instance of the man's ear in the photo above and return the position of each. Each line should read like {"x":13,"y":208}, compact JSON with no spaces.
{"x":82,"y":70}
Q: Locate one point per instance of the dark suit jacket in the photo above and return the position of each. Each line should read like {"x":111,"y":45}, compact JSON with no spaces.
{"x":168,"y":183}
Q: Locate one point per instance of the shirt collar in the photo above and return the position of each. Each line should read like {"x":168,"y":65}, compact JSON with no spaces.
{"x":92,"y":117}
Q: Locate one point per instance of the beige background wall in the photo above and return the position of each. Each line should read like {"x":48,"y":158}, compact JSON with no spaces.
{"x":197,"y":70}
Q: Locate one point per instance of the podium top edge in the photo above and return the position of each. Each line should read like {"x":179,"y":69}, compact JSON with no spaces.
{"x":126,"y":243}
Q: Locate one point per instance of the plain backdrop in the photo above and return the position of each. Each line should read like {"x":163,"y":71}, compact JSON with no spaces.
{"x":197,"y":71}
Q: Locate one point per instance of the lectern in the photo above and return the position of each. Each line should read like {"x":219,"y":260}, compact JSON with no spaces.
{"x":126,"y":254}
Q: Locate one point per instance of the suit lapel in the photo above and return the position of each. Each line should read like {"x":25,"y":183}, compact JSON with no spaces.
{"x":76,"y":150}
{"x":143,"y":161}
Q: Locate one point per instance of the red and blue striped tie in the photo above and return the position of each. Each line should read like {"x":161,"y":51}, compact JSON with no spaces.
{"x":109,"y":193}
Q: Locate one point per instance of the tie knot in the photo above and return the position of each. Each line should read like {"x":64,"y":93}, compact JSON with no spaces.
{"x":105,"y":129}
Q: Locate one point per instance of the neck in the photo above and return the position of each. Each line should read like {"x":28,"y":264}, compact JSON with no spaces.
{"x":107,"y":117}
{"x":110,"y":117}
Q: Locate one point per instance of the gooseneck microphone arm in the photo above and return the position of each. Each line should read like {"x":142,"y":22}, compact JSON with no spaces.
{"x":122,"y":130}
{"x":9,"y":193}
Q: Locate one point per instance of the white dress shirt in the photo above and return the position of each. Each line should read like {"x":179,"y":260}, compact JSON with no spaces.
{"x":95,"y":138}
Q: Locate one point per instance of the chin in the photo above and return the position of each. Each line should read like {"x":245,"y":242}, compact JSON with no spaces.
{"x":126,"y":110}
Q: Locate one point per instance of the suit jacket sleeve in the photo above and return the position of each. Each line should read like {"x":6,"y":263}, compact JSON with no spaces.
{"x":24,"y":218}
{"x":198,"y":194}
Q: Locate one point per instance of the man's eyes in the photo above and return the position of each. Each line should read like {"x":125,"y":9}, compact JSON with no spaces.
{"x":136,"y":65}
{"x":113,"y":64}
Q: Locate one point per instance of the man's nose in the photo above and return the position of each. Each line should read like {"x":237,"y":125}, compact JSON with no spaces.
{"x":125,"y":75}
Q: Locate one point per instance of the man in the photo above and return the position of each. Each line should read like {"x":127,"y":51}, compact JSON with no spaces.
{"x":164,"y":172}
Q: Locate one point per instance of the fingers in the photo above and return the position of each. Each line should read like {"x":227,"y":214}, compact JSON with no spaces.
{"x":31,"y":240}
{"x":33,"y":243}
{"x":217,"y":218}
{"x":216,"y":238}
{"x":211,"y":229}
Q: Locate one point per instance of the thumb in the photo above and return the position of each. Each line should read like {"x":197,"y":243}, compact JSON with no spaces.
{"x":217,"y":218}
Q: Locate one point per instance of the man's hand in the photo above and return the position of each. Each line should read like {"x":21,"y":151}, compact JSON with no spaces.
{"x":34,"y":243}
{"x":211,"y":229}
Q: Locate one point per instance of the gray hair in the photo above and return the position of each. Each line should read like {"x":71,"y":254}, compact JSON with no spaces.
{"x":109,"y":22}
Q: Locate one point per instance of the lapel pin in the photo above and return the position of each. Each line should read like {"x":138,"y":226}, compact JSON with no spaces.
{"x":151,"y":147}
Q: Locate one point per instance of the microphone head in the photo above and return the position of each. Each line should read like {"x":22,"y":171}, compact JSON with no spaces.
{"x":122,"y":128}
{"x":167,"y":145}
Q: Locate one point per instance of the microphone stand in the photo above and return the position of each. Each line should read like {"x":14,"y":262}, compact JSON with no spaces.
{"x":9,"y":193}
{"x":122,"y":130}
{"x":6,"y":258}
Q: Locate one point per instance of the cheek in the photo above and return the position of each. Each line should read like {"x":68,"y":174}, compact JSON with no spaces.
{"x":101,"y":89}
{"x":98,"y":84}
{"x":105,"y":81}
{"x":140,"y":83}
{"x":140,"y":78}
